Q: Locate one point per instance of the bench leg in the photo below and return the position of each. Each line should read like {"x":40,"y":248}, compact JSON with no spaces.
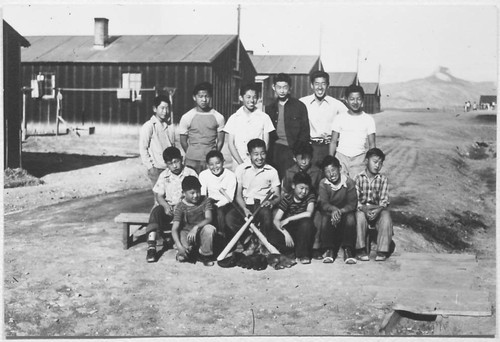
{"x":126,"y":235}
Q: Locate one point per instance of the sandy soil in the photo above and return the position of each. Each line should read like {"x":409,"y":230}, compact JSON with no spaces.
{"x":66,"y":274}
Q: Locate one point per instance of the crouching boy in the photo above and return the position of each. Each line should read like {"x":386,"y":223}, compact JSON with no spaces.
{"x":255,"y":179}
{"x":168,"y":193}
{"x":293,"y":220}
{"x":191,"y":226}
{"x":338,"y":200}
{"x":373,"y":199}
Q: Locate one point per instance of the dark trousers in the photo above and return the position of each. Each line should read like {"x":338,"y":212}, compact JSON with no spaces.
{"x":282,"y":159}
{"x":302,"y":232}
{"x":343,"y":234}
{"x":320,"y":151}
{"x":158,"y":220}
{"x":234,"y":221}
{"x":219,"y":215}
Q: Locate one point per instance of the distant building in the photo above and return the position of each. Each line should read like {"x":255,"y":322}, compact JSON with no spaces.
{"x":339,"y":81}
{"x":487,"y":100}
{"x":298,"y":67}
{"x":12,"y":96}
{"x":111,"y":80}
{"x":372,"y":97}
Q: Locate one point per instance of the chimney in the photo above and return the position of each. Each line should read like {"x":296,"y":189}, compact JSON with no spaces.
{"x":100,"y":33}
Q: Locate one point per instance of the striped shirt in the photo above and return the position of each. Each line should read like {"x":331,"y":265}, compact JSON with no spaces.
{"x":189,"y":215}
{"x":372,"y":192}
{"x":290,"y":207}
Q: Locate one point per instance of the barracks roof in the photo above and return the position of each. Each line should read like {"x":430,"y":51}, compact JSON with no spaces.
{"x":130,"y":49}
{"x":342,"y":79}
{"x":371,"y":88}
{"x":289,"y":64}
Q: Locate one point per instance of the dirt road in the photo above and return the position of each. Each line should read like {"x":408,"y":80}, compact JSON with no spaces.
{"x":66,"y":274}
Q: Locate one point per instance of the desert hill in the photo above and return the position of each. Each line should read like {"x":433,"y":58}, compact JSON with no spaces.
{"x":437,"y":91}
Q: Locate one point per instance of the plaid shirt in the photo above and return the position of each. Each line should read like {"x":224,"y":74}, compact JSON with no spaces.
{"x":374,"y":192}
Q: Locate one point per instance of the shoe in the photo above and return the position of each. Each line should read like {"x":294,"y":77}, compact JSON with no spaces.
{"x":348,"y":257}
{"x":361,"y":255}
{"x":151,"y":254}
{"x":206,"y":260}
{"x":305,"y":261}
{"x":328,"y":257}
{"x":317,"y":255}
{"x":381,"y":256}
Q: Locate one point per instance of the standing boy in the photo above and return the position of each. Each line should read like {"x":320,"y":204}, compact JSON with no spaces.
{"x":373,"y":199}
{"x":168,"y":192}
{"x":351,"y":130}
{"x":155,"y":136}
{"x":293,"y":220}
{"x":201,"y":128}
{"x":212,"y":181}
{"x":321,"y":110}
{"x":338,"y":201}
{"x":289,"y":117}
{"x":191,"y":226}
{"x":246,"y":124}
{"x":255,"y":179}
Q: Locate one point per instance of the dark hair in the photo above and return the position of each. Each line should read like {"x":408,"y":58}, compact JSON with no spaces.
{"x":319,"y":73}
{"x":207,"y":86}
{"x":190,"y":183}
{"x":330,"y":160}
{"x":254,"y":143}
{"x":249,"y":86}
{"x":171,"y":153}
{"x":161,"y":98}
{"x":281,"y":77}
{"x":214,"y":153}
{"x":353,"y":88}
{"x":302,"y":178}
{"x":302,"y":148}
{"x":375,"y":152}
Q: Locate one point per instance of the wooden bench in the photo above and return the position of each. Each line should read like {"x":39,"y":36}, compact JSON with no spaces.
{"x":132,"y":219}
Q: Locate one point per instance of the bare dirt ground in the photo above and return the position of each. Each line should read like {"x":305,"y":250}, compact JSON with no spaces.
{"x":66,"y":274}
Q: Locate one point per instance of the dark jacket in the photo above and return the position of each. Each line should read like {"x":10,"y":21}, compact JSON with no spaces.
{"x":296,"y":121}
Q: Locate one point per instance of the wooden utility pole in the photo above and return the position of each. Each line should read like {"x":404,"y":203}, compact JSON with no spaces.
{"x":238,"y":42}
{"x":320,"y":42}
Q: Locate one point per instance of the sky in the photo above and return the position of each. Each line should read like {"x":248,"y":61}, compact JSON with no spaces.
{"x":401,"y":40}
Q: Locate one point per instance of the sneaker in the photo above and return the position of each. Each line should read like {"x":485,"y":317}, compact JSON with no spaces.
{"x":151,"y":254}
{"x":317,"y":255}
{"x":348,"y":257}
{"x":381,"y":256}
{"x":305,"y":261}
{"x":328,"y":257}
{"x":361,"y":255}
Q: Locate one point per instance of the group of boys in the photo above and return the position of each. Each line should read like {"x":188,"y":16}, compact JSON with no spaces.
{"x":312,"y":211}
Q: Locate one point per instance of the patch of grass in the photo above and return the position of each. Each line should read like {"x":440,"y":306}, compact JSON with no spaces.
{"x":489,"y":176}
{"x":450,"y":233}
{"x":409,"y":123}
{"x":14,"y":178}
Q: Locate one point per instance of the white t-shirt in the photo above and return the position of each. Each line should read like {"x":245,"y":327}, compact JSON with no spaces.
{"x":211,"y":184}
{"x":353,"y":130}
{"x":246,"y":127}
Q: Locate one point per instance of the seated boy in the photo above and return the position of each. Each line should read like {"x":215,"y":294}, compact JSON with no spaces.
{"x":214,"y":179}
{"x":293,"y":220}
{"x":337,"y":202}
{"x":191,"y":226}
{"x":373,"y":199}
{"x":255,"y":178}
{"x":302,"y":156}
{"x":168,"y":193}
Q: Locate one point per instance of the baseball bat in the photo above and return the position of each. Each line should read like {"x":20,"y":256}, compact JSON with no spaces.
{"x":253,"y":228}
{"x":240,"y":232}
